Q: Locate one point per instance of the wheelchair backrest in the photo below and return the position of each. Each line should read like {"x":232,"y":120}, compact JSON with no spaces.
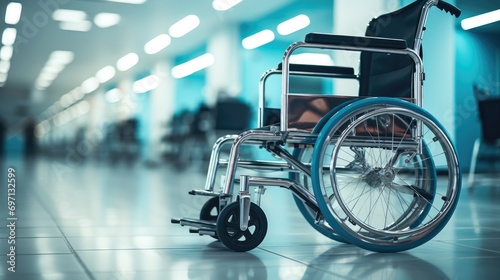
{"x":391,"y":75}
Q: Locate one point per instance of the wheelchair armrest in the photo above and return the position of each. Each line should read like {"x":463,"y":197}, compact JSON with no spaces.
{"x":321,"y":69}
{"x":354,"y":41}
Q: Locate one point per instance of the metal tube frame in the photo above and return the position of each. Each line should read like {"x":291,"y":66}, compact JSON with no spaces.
{"x":262,"y":136}
{"x":270,"y":72}
{"x":417,"y":76}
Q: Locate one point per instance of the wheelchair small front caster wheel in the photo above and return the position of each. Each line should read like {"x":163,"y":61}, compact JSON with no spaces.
{"x":230,"y":234}
{"x":210,"y":211}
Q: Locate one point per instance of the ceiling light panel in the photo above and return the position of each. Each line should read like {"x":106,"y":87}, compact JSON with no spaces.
{"x":113,"y":95}
{"x":105,"y":20}
{"x":193,"y":65}
{"x":105,"y":74}
{"x":54,"y":65}
{"x":61,"y":57}
{"x":89,"y":85}
{"x":9,"y":36}
{"x":3,"y":78}
{"x":293,"y":25}
{"x":224,"y":5}
{"x":157,"y":44}
{"x":184,"y":26}
{"x":480,"y":20}
{"x":69,"y":15}
{"x":258,"y":39}
{"x":77,"y":93}
{"x":6,"y":53}
{"x":146,"y":84}
{"x":81,"y":26}
{"x":126,"y":62}
{"x":13,"y":13}
{"x":4,"y":66}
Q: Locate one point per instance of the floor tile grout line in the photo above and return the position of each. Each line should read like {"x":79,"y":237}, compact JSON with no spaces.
{"x":65,"y":239}
{"x":468,"y":246}
{"x":304,"y":263}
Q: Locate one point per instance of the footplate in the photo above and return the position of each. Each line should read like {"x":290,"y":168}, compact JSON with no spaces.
{"x":201,"y":227}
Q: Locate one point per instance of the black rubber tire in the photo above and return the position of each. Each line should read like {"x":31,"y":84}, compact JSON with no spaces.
{"x":230,"y":234}
{"x":207,"y":211}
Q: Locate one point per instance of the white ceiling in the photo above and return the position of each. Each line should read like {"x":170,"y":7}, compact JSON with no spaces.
{"x":38,"y":35}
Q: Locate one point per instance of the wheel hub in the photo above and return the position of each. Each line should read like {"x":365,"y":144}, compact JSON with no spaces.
{"x":378,"y":176}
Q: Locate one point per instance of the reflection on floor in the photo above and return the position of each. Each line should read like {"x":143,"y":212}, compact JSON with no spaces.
{"x":90,"y":220}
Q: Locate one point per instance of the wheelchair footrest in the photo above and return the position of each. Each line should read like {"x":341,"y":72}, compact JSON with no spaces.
{"x":203,"y":231}
{"x":195,"y":223}
{"x":203,"y":192}
{"x":201,"y":227}
{"x":208,"y":193}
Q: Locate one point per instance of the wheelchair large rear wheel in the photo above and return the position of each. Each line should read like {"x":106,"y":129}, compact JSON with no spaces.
{"x":374,"y":174}
{"x":320,"y":225}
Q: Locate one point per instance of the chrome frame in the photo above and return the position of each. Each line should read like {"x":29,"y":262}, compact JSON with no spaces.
{"x":281,"y":135}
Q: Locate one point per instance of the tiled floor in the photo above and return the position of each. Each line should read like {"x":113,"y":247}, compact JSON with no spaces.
{"x":91,"y":220}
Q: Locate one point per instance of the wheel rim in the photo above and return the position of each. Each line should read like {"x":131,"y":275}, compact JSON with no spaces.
{"x":230,"y":234}
{"x":305,"y":156}
{"x":357,"y":199}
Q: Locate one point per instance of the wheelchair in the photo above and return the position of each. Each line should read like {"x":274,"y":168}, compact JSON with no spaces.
{"x":362,"y":169}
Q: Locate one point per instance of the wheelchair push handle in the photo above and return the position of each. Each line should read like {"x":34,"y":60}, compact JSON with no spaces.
{"x":447,"y":7}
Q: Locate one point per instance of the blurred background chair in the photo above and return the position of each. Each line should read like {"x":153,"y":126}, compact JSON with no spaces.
{"x":485,"y":162}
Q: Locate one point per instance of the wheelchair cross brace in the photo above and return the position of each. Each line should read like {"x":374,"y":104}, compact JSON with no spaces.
{"x":203,"y":227}
{"x":271,"y":140}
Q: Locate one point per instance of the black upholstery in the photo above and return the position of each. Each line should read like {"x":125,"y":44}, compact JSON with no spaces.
{"x":319,"y":69}
{"x":390,"y":75}
{"x":370,"y":42}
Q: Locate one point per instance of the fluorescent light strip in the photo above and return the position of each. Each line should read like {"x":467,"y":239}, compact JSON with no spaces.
{"x":293,"y":25}
{"x":81,"y":26}
{"x":54,"y":65}
{"x":6,"y":53}
{"x":66,"y":100}
{"x":184,"y":26}
{"x":192,"y":66}
{"x":224,"y":5}
{"x":3,"y":77}
{"x":45,"y":76}
{"x":13,"y":13}
{"x":69,"y":15}
{"x":89,"y":85}
{"x":146,"y":84}
{"x":9,"y":36}
{"x":127,"y":61}
{"x":77,"y":93}
{"x":105,"y":20}
{"x":4,"y":66}
{"x":480,"y":20}
{"x":157,"y":44}
{"x":105,"y":74}
{"x":113,"y":95}
{"x":258,"y":39}
{"x":53,"y":68}
{"x":61,"y":57}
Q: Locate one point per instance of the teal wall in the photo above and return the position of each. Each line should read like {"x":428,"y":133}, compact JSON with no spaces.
{"x":189,"y":91}
{"x":454,"y":59}
{"x":255,"y":62}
